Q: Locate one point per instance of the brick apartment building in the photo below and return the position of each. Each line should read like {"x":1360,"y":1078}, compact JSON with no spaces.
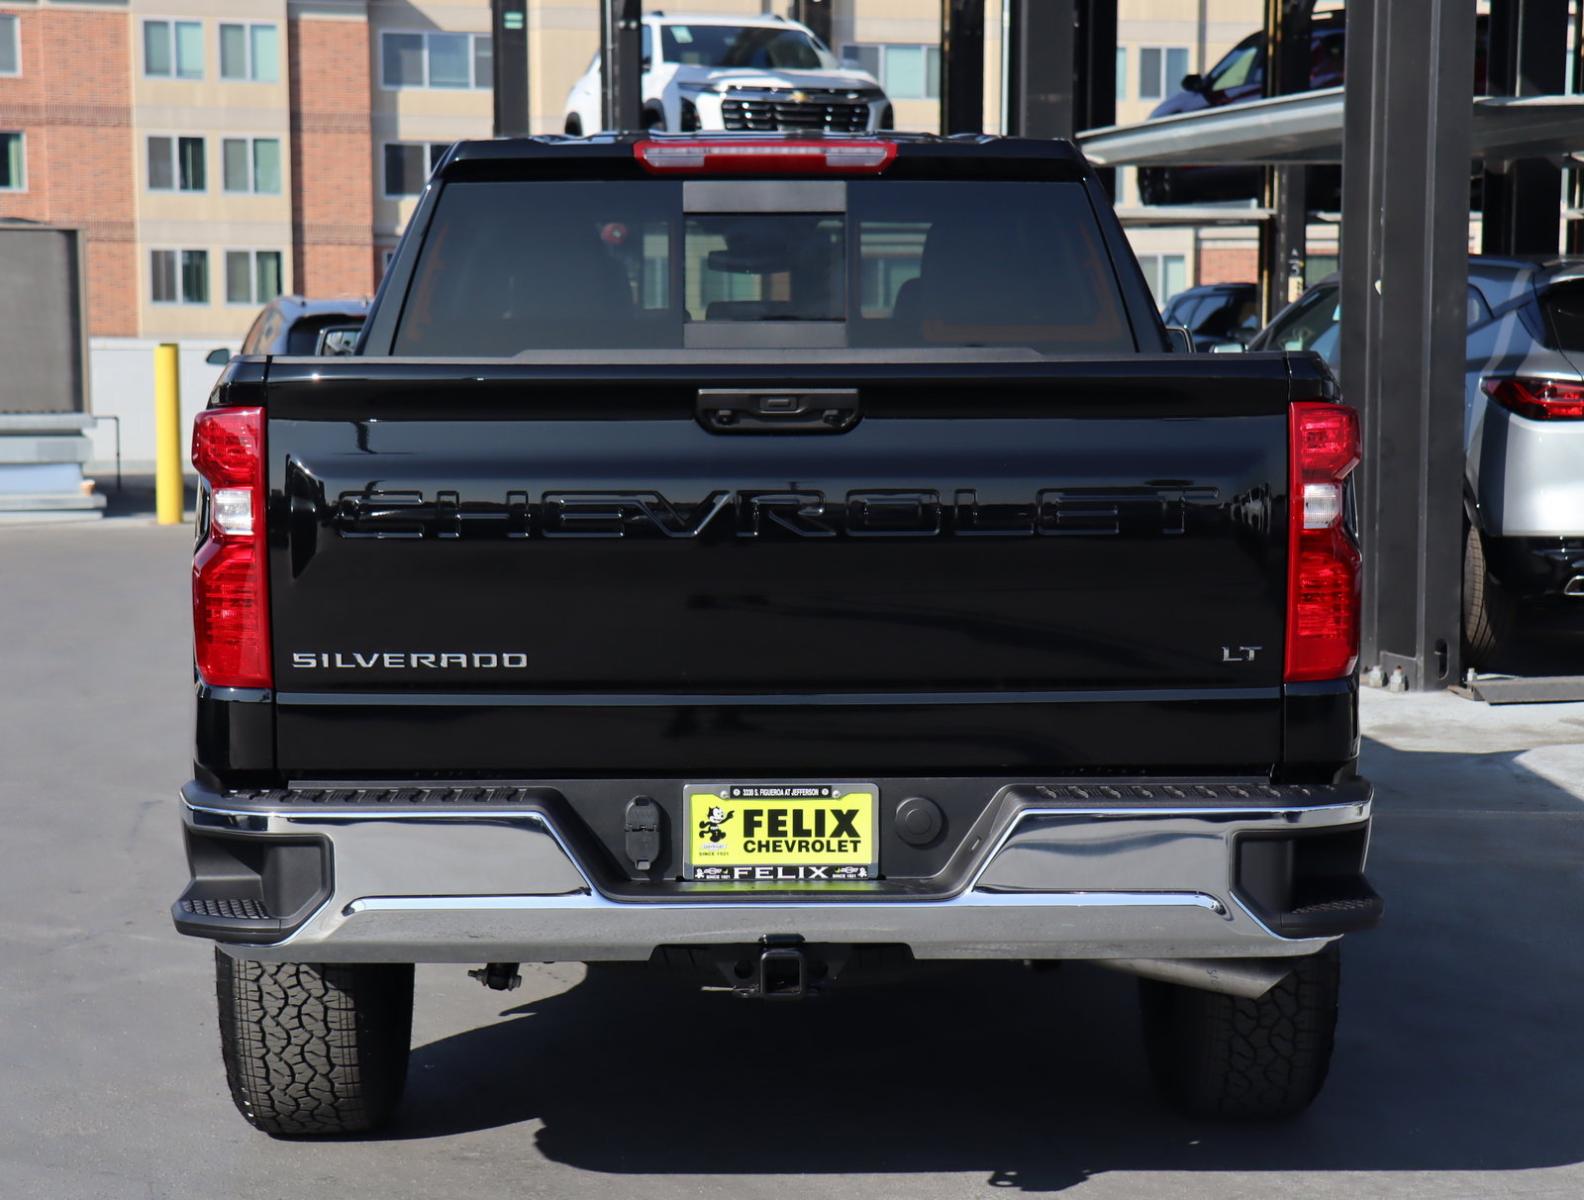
{"x":218,"y":152}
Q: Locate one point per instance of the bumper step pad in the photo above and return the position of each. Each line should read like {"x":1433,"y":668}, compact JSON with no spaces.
{"x":239,"y":909}
{"x":236,"y":918}
{"x":1345,"y":905}
{"x":373,"y":797}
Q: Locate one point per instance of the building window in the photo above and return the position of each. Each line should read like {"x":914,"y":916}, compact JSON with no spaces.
{"x":409,"y":164}
{"x":173,"y":49}
{"x":1166,"y":274}
{"x":483,"y":62}
{"x":252,"y":165}
{"x":179,"y":276}
{"x":904,"y":72}
{"x":1161,"y":70}
{"x":250,"y":52}
{"x":252,"y":276}
{"x":436,"y":60}
{"x":176,"y":164}
{"x":1121,"y":73}
{"x":10,"y":46}
{"x":13,"y":163}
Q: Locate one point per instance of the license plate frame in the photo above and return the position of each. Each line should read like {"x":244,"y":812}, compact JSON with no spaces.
{"x":790,"y":833}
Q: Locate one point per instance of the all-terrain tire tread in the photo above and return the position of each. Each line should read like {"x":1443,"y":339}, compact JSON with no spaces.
{"x":1226,"y":1056}
{"x":314,"y":1049}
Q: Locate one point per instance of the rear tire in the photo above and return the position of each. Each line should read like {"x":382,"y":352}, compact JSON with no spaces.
{"x":1489,"y":611}
{"x":574,"y":126}
{"x":1227,"y":1057}
{"x":314,"y":1049}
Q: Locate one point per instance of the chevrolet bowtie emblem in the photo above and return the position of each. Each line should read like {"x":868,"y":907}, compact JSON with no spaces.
{"x":799,"y":97}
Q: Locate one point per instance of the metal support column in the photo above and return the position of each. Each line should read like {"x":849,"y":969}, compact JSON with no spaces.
{"x":1404,"y":281}
{"x":510,"y":59}
{"x":962,"y":66}
{"x":621,"y":73}
{"x":1040,"y":65}
{"x":1094,"y":90}
{"x":1527,"y":57}
{"x":1573,"y":237}
{"x":1284,"y":241}
{"x":816,"y":14}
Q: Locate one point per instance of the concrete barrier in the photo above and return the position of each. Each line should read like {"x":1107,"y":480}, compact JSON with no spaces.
{"x":121,"y":371}
{"x":41,"y":476}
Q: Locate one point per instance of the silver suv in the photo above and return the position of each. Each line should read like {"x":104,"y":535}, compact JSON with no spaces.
{"x":1523,"y":434}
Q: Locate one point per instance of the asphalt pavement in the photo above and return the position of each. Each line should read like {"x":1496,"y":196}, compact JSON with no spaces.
{"x":1458,"y":1072}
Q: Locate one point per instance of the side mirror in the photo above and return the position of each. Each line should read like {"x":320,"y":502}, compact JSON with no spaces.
{"x":1193,"y":83}
{"x":337,"y":340}
{"x":218,"y":357}
{"x":1228,"y":348}
{"x":1181,"y":340}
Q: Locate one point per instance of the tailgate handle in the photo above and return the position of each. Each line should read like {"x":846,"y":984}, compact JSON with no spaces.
{"x":778,"y":410}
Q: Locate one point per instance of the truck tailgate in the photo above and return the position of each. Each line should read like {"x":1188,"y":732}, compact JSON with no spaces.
{"x":543,"y":569}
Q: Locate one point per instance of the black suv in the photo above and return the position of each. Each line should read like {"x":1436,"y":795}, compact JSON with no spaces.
{"x":1216,"y":313}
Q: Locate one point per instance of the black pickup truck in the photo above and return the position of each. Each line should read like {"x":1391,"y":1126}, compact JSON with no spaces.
{"x":782,"y":560}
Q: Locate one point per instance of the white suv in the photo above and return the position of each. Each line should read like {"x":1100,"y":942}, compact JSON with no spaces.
{"x":739,"y":73}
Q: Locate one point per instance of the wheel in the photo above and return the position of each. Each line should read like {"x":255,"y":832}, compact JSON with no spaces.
{"x":1489,"y":611}
{"x":574,"y":126}
{"x":314,"y":1049}
{"x":652,"y":120}
{"x":1224,"y":1056}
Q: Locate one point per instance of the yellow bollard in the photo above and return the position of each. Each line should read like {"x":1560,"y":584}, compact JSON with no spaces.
{"x":167,"y":434}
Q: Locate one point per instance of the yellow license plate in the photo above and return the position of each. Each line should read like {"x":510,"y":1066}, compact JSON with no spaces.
{"x":781,"y":832}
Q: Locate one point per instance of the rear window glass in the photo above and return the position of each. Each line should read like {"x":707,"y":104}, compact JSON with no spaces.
{"x":1564,"y":312}
{"x":303,"y":337}
{"x":1182,"y":310}
{"x":1229,"y":314}
{"x":780,"y":267}
{"x":1314,"y":324}
{"x":509,"y":267}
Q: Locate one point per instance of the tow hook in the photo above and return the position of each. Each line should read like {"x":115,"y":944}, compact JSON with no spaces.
{"x":498,"y":977}
{"x":783,"y":969}
{"x":779,"y":966}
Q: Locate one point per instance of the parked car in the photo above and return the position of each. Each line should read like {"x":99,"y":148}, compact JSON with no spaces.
{"x":738,"y":73}
{"x":1216,"y":314}
{"x":1237,"y":78}
{"x":1523,"y":433}
{"x":297,"y":326}
{"x":818,"y":570}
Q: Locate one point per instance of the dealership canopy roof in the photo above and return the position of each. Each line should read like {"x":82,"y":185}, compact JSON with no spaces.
{"x":1167,"y":215}
{"x":1307,"y":128}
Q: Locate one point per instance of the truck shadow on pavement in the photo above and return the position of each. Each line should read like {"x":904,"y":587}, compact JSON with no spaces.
{"x":1461,"y":1034}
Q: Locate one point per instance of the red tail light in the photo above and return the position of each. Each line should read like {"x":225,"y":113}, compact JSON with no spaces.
{"x":725,"y":157}
{"x":1322,"y":560}
{"x":230,"y":584}
{"x":1538,"y":399}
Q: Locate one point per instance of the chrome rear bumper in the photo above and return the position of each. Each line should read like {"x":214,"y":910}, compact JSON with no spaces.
{"x":485,"y":884}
